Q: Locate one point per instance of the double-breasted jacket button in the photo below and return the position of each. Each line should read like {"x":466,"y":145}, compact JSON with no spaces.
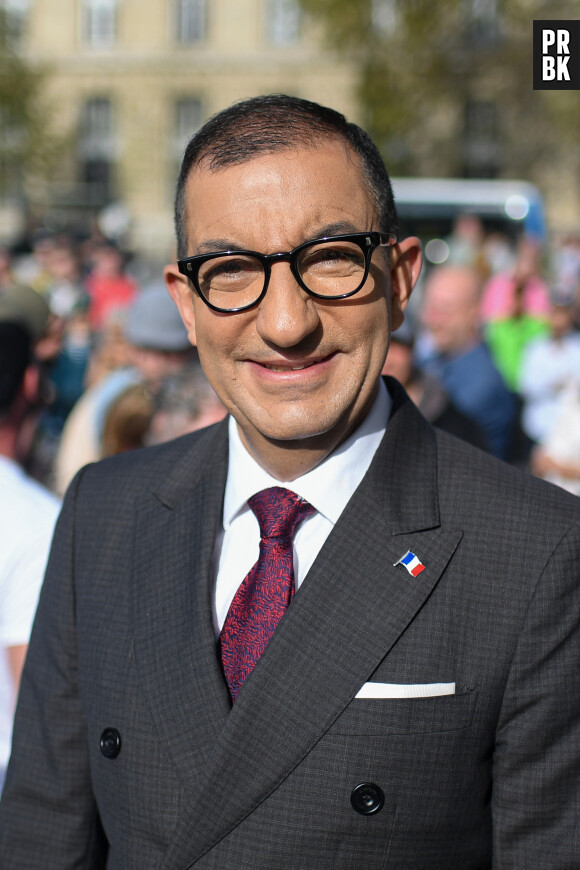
{"x":110,"y":743}
{"x":367,"y":798}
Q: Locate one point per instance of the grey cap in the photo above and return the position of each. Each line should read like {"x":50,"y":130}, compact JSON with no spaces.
{"x":23,"y":305}
{"x":153,"y":322}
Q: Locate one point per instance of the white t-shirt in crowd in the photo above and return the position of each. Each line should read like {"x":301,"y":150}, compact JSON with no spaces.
{"x":28,"y":514}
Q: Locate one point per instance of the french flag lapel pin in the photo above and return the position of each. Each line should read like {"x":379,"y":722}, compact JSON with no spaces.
{"x":410,"y":561}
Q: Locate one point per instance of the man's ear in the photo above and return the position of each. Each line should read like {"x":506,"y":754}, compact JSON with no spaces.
{"x":406,"y":263}
{"x":181,"y":292}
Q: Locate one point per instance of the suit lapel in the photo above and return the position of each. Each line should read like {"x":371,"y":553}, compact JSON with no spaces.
{"x":175,"y":646}
{"x":348,"y":613}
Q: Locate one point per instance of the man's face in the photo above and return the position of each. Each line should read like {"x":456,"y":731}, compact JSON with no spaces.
{"x":294,"y":369}
{"x":451,"y":308}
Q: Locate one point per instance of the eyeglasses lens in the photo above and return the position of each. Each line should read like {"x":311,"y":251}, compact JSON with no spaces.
{"x":231,"y":281}
{"x":332,"y":268}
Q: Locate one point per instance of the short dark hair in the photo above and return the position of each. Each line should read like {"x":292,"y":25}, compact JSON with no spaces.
{"x":278,"y":122}
{"x":15,"y":357}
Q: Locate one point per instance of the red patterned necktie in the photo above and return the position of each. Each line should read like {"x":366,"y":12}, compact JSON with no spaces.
{"x":265,"y":593}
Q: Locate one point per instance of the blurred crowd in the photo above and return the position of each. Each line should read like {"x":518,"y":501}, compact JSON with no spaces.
{"x":94,"y":361}
{"x":117,"y":368}
{"x":491,"y":348}
{"x":491,"y":345}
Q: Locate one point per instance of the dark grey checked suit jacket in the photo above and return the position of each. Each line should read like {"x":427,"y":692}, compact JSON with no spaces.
{"x":486,"y":777}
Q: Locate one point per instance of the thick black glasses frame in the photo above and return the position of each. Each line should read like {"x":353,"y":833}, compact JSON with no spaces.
{"x":367,"y":242}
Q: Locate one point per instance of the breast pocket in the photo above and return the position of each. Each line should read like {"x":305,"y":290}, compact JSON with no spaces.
{"x":379,"y":716}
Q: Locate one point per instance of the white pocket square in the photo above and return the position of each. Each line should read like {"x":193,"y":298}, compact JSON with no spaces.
{"x":402,"y":690}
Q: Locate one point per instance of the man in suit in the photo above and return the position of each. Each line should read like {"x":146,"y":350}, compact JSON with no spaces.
{"x":461,"y":361}
{"x":416,"y":704}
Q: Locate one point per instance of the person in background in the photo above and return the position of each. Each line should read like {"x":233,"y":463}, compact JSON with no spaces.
{"x":28,"y":514}
{"x":127,"y":421}
{"x":497,"y":298}
{"x":460,"y":360}
{"x":66,"y":292}
{"x":155,"y":412}
{"x":576,"y":305}
{"x":466,"y":244}
{"x":185,"y":402}
{"x":508,"y":336}
{"x":427,"y":392}
{"x":565,"y":265}
{"x":557,"y":458}
{"x":110,"y":351}
{"x":109,"y":286}
{"x":66,"y":367}
{"x":498,"y":252}
{"x":156,"y":345}
{"x":7,"y":276}
{"x":550,"y":367}
{"x":33,"y":269}
{"x":22,"y":304}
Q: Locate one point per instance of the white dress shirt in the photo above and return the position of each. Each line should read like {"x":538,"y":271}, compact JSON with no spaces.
{"x":328,"y":488}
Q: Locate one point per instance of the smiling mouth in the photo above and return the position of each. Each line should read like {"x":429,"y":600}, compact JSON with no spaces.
{"x":298,"y":368}
{"x":287,"y":366}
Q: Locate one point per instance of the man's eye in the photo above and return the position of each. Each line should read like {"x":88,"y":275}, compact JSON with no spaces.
{"x":331,"y":254}
{"x":330,"y":257}
{"x":228,"y":268}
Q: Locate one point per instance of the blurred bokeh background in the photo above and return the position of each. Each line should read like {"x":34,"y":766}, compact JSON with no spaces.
{"x":98,"y":97}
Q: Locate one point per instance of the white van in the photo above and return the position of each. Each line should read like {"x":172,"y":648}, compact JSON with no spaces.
{"x":428,"y":207}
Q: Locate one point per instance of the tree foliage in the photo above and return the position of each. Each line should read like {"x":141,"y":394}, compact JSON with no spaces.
{"x":445,"y":87}
{"x":26,"y":143}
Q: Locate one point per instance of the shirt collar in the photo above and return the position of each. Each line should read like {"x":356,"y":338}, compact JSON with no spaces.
{"x":329,"y":486}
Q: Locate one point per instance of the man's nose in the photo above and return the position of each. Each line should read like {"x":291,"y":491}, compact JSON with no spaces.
{"x":286,"y":314}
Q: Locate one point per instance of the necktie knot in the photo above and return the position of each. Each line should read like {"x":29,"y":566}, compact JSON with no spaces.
{"x":278,"y":512}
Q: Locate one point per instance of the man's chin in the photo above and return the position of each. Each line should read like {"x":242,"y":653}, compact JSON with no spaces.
{"x":296,"y":434}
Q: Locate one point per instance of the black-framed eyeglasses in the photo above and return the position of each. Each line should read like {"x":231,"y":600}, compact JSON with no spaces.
{"x":333,"y":267}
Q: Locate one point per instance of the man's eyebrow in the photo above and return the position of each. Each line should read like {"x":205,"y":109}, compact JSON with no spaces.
{"x":211,"y":246}
{"x":338,"y":228}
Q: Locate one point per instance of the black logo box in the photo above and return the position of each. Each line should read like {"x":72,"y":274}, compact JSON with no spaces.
{"x":549,"y":47}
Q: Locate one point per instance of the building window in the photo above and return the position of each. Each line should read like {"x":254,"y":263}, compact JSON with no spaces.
{"x":188,"y":120}
{"x":481,"y":145}
{"x":190,"y":20}
{"x":99,"y":19}
{"x":96,"y":150}
{"x":482,"y":21}
{"x":385,"y":16}
{"x":188,"y":117}
{"x":282,"y":21}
